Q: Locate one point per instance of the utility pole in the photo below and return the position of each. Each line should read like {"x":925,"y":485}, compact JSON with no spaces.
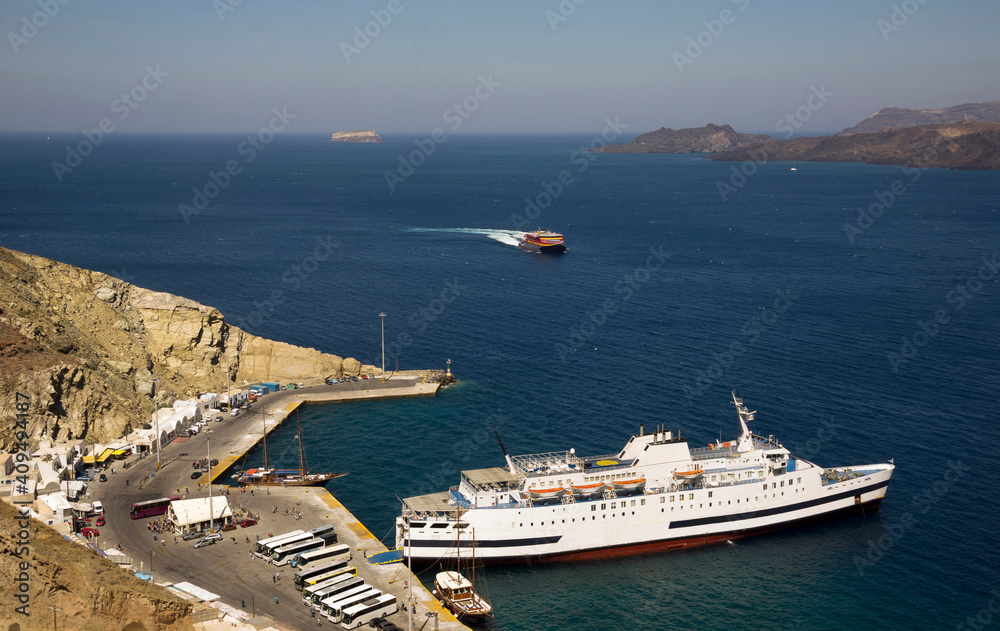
{"x":409,"y":568}
{"x":211,"y":513}
{"x":225,"y":344}
{"x":54,"y":610}
{"x":156,"y":415}
{"x":382,"y":315}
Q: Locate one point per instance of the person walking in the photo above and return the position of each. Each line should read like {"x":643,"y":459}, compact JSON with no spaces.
{"x":243,"y":603}
{"x":273,"y":580}
{"x":275,"y":600}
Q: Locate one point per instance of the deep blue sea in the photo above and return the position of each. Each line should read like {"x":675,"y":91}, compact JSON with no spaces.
{"x":851,"y":351}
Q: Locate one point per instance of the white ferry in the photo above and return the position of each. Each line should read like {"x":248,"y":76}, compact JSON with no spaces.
{"x":655,"y":494}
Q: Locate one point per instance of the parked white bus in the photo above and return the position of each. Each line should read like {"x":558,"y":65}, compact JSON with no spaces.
{"x":328,"y":553}
{"x":335,"y":610}
{"x":303,"y":577}
{"x":313,"y":585}
{"x":326,"y":532}
{"x":332,"y":589}
{"x":264,"y":547}
{"x":284,"y":554}
{"x":363,"y":613}
{"x":340,"y":567}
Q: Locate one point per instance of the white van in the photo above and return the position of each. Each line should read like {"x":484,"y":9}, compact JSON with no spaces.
{"x":98,"y":507}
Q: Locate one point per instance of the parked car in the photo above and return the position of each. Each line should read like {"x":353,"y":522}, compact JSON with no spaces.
{"x":228,"y":527}
{"x":234,"y":412}
{"x":100,"y":521}
{"x":213,"y":462}
{"x":196,"y":475}
{"x":192,"y":535}
{"x":204,"y":542}
{"x":82,"y":523}
{"x":219,"y":418}
{"x":98,"y":508}
{"x":103,"y":478}
{"x":364,"y":376}
{"x":84,"y":478}
{"x":90,"y":532}
{"x":246,"y":523}
{"x":214,"y":536}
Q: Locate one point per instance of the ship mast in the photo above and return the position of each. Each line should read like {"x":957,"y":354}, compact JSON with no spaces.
{"x":510,"y":463}
{"x":263,"y":420}
{"x":302,"y":454}
{"x":745,"y":415}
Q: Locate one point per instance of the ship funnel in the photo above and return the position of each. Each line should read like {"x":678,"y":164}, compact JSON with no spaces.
{"x":640,"y":430}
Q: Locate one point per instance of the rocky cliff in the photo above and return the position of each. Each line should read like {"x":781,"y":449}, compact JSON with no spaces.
{"x":708,"y":139}
{"x":366,"y":135}
{"x":903,"y":117}
{"x":95,"y":355}
{"x":85,"y":590}
{"x":966,"y":145}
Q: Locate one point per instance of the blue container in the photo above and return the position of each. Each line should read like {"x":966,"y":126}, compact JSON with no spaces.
{"x":259,"y":389}
{"x":273,"y":387}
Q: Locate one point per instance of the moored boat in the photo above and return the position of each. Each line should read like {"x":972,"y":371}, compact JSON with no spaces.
{"x":459,"y":595}
{"x":285,"y":477}
{"x":656,"y":493}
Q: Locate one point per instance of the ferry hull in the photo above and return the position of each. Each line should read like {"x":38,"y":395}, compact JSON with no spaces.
{"x":544,"y":249}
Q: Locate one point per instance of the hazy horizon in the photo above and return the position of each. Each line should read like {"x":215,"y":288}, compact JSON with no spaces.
{"x":399,"y":66}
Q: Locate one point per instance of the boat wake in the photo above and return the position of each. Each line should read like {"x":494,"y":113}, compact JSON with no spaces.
{"x":507,"y":237}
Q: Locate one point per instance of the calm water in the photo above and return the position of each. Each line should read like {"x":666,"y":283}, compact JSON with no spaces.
{"x":762,"y":293}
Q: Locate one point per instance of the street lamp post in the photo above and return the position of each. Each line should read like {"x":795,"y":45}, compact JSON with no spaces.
{"x":211,"y":513}
{"x":225,"y":343}
{"x":156,"y":415}
{"x":382,"y":315}
{"x":409,"y":568}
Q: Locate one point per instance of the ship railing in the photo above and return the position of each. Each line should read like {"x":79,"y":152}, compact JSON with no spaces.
{"x":705,"y":453}
{"x":548,"y":463}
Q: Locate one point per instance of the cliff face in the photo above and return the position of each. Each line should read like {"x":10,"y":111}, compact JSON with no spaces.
{"x":87,"y":591}
{"x":366,"y":135}
{"x":966,"y":145}
{"x":903,"y":117}
{"x":708,"y":139}
{"x":94,"y":353}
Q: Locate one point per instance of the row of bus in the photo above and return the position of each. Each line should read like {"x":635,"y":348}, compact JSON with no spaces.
{"x":345,"y":598}
{"x":299,"y":547}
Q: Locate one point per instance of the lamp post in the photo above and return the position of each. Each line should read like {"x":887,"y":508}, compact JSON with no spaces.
{"x":225,"y":344}
{"x":211,"y":513}
{"x":409,"y":568}
{"x":382,"y":315}
{"x":156,"y":416}
{"x":54,"y":610}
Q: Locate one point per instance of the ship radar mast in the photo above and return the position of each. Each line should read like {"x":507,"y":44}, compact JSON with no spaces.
{"x":746,"y":440}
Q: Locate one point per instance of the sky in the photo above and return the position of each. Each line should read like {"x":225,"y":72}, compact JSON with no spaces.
{"x":515,"y":66}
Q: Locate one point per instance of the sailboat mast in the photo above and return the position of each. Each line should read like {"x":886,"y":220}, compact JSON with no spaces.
{"x":263,"y":420}
{"x":302,"y":454}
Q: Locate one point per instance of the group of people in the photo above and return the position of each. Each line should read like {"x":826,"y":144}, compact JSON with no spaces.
{"x":161,"y":525}
{"x":287,"y":512}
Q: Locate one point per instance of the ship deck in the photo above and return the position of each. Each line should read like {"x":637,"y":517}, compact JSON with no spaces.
{"x":433,"y":504}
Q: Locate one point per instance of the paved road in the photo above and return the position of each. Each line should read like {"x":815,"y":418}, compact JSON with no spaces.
{"x":226,"y":568}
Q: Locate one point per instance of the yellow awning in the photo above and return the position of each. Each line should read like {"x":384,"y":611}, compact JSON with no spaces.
{"x":88,"y":460}
{"x":107,"y":454}
{"x":118,"y":452}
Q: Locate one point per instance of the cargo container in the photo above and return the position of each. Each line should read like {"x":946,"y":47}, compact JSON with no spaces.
{"x":271,"y":386}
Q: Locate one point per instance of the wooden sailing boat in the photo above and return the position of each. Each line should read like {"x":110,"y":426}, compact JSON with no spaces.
{"x":285,"y":477}
{"x":458,"y":593}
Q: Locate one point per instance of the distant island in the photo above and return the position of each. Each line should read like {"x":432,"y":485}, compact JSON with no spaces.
{"x":903,"y":117}
{"x":964,"y":145}
{"x":708,"y":139}
{"x":365,"y":135}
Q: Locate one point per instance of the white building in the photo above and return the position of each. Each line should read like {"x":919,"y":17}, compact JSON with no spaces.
{"x":193,"y":515}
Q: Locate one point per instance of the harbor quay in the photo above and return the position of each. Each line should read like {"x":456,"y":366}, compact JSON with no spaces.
{"x":226,"y":576}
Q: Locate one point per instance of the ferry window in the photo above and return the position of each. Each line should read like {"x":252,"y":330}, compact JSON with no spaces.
{"x":663,"y":500}
{"x":603,"y":506}
{"x":642,"y":502}
{"x":671,"y":498}
{"x":710,"y":493}
{"x":765,"y":487}
{"x":782,"y":484}
{"x":799,"y":480}
{"x":774,"y":485}
{"x":737,"y":500}
{"x":690,"y":496}
{"x":593,"y":517}
{"x":633,"y":503}
{"x":593,"y":508}
{"x":612,"y":505}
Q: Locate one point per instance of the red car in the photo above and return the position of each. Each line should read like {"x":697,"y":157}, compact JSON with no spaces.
{"x":246,"y":523}
{"x":90,"y":532}
{"x":100,"y":521}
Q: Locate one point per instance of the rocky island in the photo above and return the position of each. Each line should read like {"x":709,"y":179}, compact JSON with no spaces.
{"x":96,"y":355}
{"x":903,"y":117}
{"x":365,"y":135}
{"x":708,"y":139}
{"x":965,"y":145}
